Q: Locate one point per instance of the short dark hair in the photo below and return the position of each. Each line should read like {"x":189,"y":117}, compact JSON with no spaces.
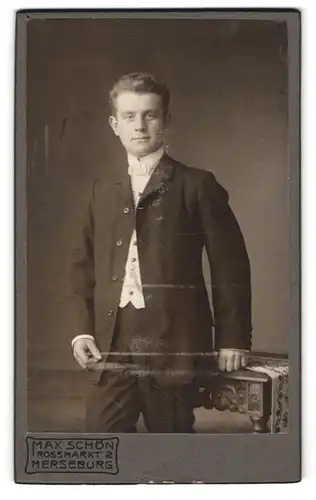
{"x":140,"y":83}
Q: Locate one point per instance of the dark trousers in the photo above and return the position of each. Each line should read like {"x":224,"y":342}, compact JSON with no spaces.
{"x":116,"y":401}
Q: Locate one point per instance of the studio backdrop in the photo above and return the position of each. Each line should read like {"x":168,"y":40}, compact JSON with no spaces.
{"x":228,"y":85}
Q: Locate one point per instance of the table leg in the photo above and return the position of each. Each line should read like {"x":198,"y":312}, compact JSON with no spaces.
{"x":259,"y":424}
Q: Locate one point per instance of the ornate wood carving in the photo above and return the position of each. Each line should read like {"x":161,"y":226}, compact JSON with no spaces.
{"x":243,"y":396}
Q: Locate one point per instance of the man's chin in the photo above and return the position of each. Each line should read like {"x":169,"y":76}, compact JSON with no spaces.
{"x":142,"y":150}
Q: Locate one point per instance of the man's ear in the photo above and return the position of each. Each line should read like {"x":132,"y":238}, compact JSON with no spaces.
{"x":113,"y":124}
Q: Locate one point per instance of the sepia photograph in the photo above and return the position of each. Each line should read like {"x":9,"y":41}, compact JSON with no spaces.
{"x":158,"y":229}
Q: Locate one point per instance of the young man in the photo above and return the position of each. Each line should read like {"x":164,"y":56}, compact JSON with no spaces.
{"x":139,"y":293}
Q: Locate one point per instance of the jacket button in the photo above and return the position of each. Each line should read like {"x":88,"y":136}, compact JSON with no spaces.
{"x":114,"y":278}
{"x":126,"y":210}
{"x":110,"y":312}
{"x":119,"y":243}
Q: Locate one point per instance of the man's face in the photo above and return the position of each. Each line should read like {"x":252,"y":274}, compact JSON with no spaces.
{"x":139,"y":122}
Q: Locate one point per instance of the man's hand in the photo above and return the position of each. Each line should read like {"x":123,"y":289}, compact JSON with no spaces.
{"x":86,"y":353}
{"x":232,"y":359}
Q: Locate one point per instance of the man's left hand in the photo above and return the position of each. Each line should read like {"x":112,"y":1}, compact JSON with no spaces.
{"x":232,"y":359}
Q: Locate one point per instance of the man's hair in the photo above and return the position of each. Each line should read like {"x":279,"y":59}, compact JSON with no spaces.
{"x":142,"y":83}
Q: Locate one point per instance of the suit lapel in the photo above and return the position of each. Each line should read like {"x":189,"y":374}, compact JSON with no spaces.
{"x":159,"y":178}
{"x":157,"y":182}
{"x":115,"y":198}
{"x":125,"y":190}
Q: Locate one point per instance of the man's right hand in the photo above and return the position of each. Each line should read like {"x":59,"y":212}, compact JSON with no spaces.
{"x":86,"y":353}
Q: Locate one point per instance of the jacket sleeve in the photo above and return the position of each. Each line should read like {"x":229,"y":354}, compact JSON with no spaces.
{"x":229,"y":266}
{"x":82,"y":275}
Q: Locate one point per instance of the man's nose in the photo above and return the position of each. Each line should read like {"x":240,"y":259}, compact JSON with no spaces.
{"x":140,"y":123}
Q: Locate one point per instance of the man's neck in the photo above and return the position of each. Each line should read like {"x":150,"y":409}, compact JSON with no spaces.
{"x":153,"y":157}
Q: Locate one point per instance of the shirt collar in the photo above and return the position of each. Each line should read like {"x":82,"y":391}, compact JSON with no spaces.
{"x":144,"y":165}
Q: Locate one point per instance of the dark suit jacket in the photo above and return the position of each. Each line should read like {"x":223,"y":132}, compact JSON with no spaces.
{"x":181,"y":210}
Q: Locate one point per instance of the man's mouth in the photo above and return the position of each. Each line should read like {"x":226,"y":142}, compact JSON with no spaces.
{"x":141,"y":139}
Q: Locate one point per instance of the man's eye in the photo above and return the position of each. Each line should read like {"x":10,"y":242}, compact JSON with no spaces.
{"x":150,"y":116}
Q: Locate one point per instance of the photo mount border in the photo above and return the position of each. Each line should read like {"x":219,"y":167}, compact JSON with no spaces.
{"x":186,"y":458}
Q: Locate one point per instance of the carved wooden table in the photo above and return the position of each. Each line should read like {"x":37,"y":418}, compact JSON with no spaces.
{"x":241,"y":391}
{"x":244,"y":391}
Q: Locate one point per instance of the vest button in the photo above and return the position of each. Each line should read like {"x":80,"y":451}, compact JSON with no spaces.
{"x":119,"y":243}
{"x":126,"y":210}
{"x":114,"y":278}
{"x":110,"y":312}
